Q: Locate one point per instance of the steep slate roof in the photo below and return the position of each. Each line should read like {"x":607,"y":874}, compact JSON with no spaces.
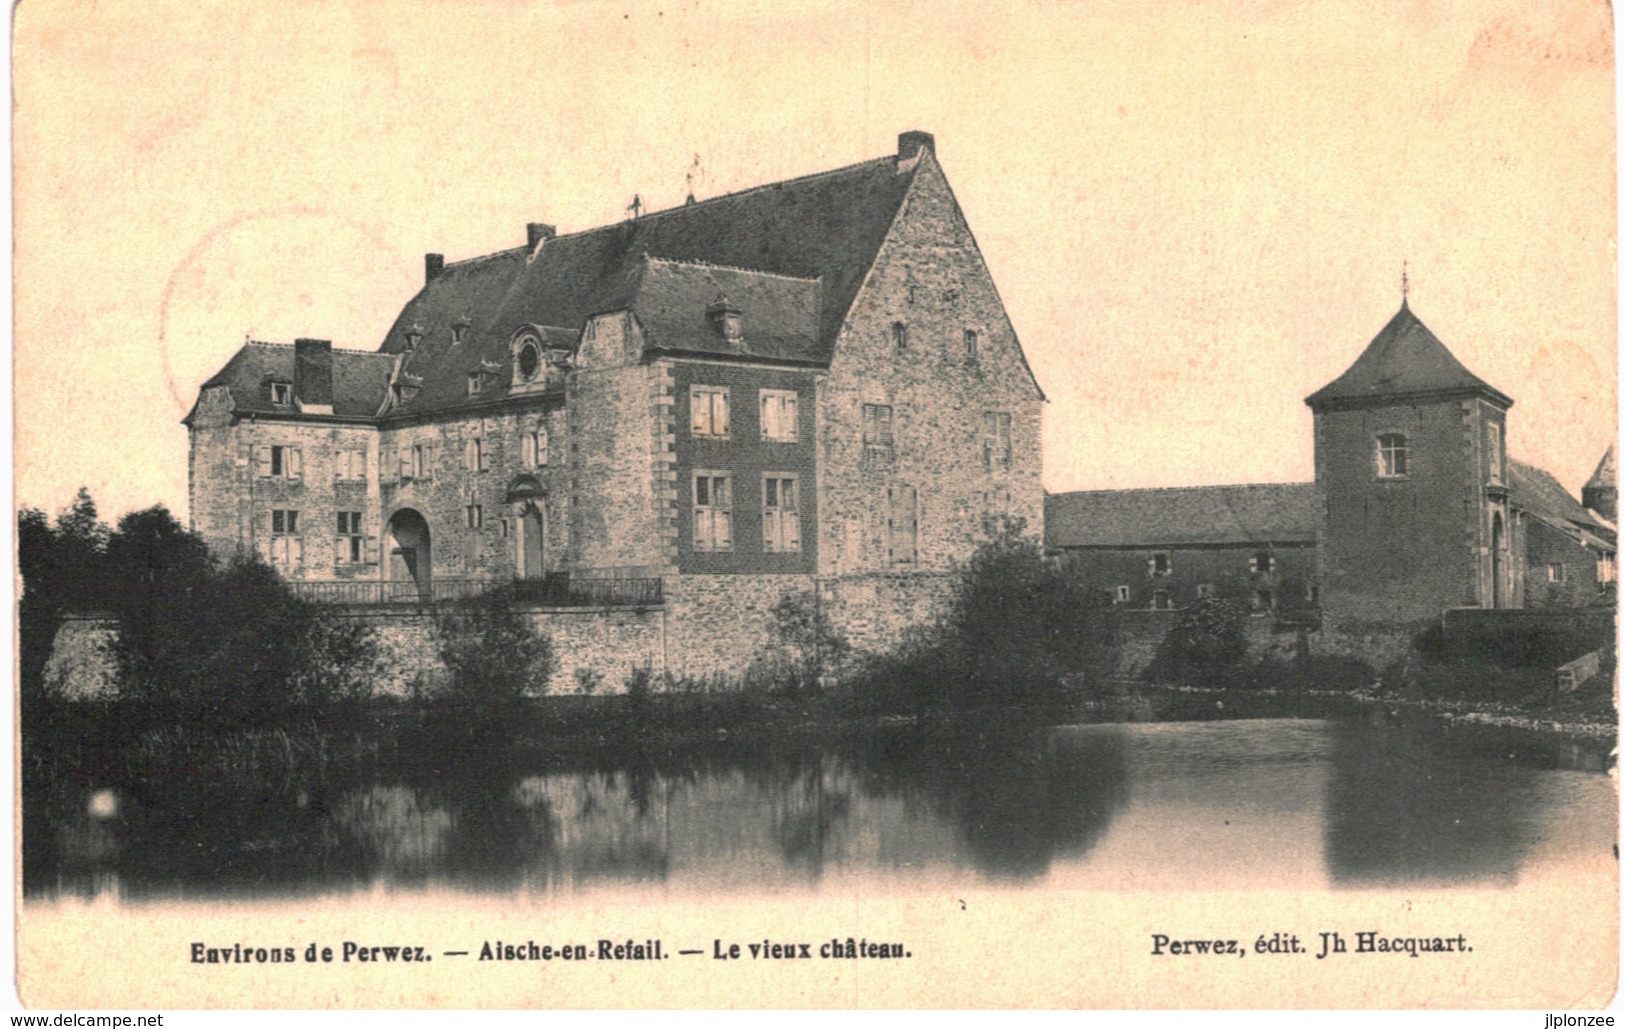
{"x":1605,"y":477}
{"x":1405,"y":358}
{"x":360,"y":379}
{"x":1182,"y":516}
{"x":1536,"y":491}
{"x":779,"y":314}
{"x":826,"y":227}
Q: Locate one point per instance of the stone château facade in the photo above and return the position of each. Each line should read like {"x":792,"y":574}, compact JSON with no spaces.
{"x":807,"y":387}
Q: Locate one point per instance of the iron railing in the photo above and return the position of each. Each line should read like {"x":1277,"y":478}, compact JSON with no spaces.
{"x":560,"y":591}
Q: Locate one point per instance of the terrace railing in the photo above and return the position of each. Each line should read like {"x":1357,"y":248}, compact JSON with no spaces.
{"x":559,"y":591}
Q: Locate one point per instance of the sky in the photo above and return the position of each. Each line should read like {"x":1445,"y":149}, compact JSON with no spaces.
{"x":1196,"y":214}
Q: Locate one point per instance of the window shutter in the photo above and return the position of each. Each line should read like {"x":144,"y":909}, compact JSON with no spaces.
{"x":1253,"y":564}
{"x":790,"y":423}
{"x":541,"y":447}
{"x":341,"y":550}
{"x":770,"y":530}
{"x":405,"y":463}
{"x":428,"y":460}
{"x":527,"y":450}
{"x":294,"y":457}
{"x":724,"y":530}
{"x":369,"y":550}
{"x":792,"y":530}
{"x":767,"y":423}
{"x":262,"y":458}
{"x":719,"y":411}
{"x":1151,"y":566}
{"x":297,"y":547}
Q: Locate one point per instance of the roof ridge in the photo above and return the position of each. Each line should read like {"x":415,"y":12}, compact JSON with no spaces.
{"x":1166,"y":489}
{"x":670,"y":210}
{"x":733,"y":268}
{"x":289,"y":346}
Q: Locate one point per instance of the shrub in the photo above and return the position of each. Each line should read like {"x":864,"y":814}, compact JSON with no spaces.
{"x":811,"y":646}
{"x":492,"y":652}
{"x":1206,"y":645}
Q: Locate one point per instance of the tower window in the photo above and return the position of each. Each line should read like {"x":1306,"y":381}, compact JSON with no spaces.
{"x":1393,"y":456}
{"x":970,"y":345}
{"x":899,"y":335}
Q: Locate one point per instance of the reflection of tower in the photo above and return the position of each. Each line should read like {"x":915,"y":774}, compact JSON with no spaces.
{"x":1410,"y":466}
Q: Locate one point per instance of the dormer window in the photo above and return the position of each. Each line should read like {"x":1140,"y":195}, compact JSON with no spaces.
{"x":459,"y":330}
{"x":475,"y":383}
{"x":282,"y":394}
{"x":414,"y":336}
{"x":1393,"y":456}
{"x":529,"y":359}
{"x":724,"y":318}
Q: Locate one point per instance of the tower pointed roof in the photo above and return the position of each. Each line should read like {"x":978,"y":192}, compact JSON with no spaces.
{"x":1405,"y":359}
{"x":1605,"y":477}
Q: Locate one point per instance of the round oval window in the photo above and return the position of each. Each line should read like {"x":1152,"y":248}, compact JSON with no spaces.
{"x":529,"y":358}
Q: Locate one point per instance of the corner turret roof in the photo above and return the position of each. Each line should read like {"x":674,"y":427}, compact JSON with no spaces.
{"x":1605,"y":477}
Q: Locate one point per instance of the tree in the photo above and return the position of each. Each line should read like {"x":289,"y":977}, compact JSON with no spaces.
{"x":1205,"y":645}
{"x":812,"y":644}
{"x":493,"y":655}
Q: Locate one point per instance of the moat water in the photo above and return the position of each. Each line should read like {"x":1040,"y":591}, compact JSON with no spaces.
{"x":1353,"y":801}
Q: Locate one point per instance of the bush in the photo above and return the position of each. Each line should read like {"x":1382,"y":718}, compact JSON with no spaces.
{"x":807,"y":646}
{"x":492,"y":652}
{"x":1015,"y":625}
{"x":1206,"y":645}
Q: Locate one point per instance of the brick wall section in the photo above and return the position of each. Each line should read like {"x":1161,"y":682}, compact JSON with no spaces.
{"x":1558,"y":572}
{"x":876,"y":610}
{"x":747,"y":457}
{"x":1400,"y":550}
{"x":930,"y":277}
{"x":1227,"y":568}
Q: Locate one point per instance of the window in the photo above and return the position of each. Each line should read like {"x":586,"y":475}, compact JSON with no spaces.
{"x":779,"y":415}
{"x":877,"y":433}
{"x":970,"y":345}
{"x":1161,"y":601}
{"x":535,"y":448}
{"x":287,"y":547}
{"x":899,"y":335}
{"x":995,"y":508}
{"x":352,"y":542}
{"x":1495,"y":452}
{"x":1393,"y":456}
{"x":278,"y":462}
{"x":459,"y":331}
{"x":713,"y":512}
{"x":1554,"y":573}
{"x":996,"y":441}
{"x":474,"y":383}
{"x":1159,"y":564}
{"x":474,"y":516}
{"x":708,"y":410}
{"x":418,"y":462}
{"x":781,"y":519}
{"x":1605,"y":568}
{"x":1121,"y":595}
{"x":1262,"y":563}
{"x":282,"y":393}
{"x":350,"y":464}
{"x":1263,"y":600}
{"x":903,"y":525}
{"x":530,"y":359}
{"x":475,"y":456}
{"x":1204,"y":590}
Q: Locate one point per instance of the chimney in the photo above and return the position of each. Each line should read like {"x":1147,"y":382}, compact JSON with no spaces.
{"x":313,"y":375}
{"x":536,"y":232}
{"x":724,"y":317}
{"x":433,"y":265}
{"x":909,"y":144}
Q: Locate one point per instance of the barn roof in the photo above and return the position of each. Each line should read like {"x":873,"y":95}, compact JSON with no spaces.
{"x":1183,"y":516}
{"x":1404,"y":359}
{"x":1537,"y":492}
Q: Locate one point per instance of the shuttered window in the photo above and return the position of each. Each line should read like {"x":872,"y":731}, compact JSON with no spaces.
{"x":713,"y":511}
{"x":708,"y":410}
{"x":877,"y":434}
{"x":781,"y":515}
{"x":779,"y":415}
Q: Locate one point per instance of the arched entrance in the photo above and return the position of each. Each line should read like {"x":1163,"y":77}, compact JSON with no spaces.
{"x":527,"y":496}
{"x":1497,"y":562}
{"x":408,"y":560}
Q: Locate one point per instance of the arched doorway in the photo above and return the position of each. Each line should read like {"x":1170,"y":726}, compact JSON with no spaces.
{"x":408,"y":561}
{"x":530,"y":541}
{"x":1497,"y":562}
